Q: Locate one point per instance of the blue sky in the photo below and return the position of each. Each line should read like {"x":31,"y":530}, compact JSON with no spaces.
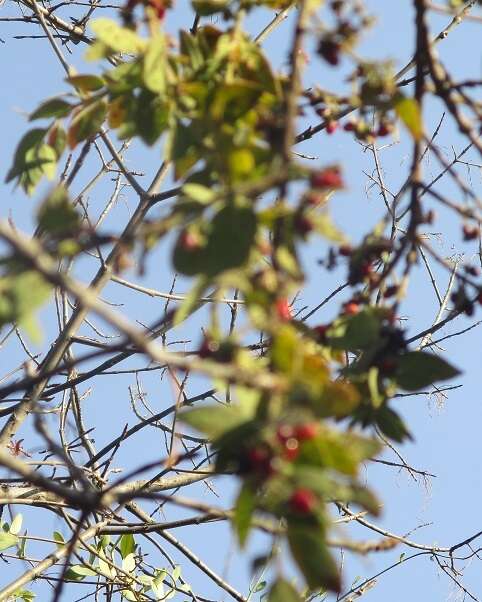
{"x":446,"y":435}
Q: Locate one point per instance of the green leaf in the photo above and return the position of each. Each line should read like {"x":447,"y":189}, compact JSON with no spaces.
{"x":184,"y":148}
{"x":86,"y":83}
{"x":19,"y":296}
{"x":23,"y":594}
{"x":57,"y":139}
{"x":191,"y":302}
{"x":323,"y":224}
{"x":30,"y":141}
{"x":259,"y":587}
{"x":129,"y":563}
{"x":59,"y":538}
{"x":230,"y":237}
{"x":243,"y":511}
{"x":127,"y":545}
{"x":376,"y":397}
{"x":307,"y":545}
{"x":209,"y":7}
{"x":79,"y":572}
{"x":124,"y":78}
{"x":214,"y":421}
{"x":340,"y":452}
{"x":355,"y":332}
{"x":16,"y":524}
{"x":418,"y":369}
{"x":48,"y":160}
{"x":7,"y":540}
{"x":176,"y":573}
{"x":151,"y":116}
{"x":283,"y":591}
{"x":118,"y":39}
{"x":55,"y":107}
{"x":199,"y":193}
{"x":391,"y":425}
{"x":86,"y":122}
{"x":57,"y":215}
{"x":409,"y":112}
{"x":232,"y":101}
{"x":154,"y":65}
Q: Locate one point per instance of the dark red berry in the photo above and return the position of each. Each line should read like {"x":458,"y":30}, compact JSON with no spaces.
{"x":283,"y":310}
{"x":366,"y":269}
{"x":350,"y":126}
{"x":208,"y":348}
{"x":259,"y":460}
{"x":303,"y":501}
{"x":388,"y":365}
{"x":479,"y":298}
{"x":390,"y":291}
{"x":472,"y":270}
{"x":330,"y":51}
{"x":470,"y":232}
{"x":384,"y":130}
{"x":345,"y":250}
{"x":327,"y":178}
{"x":303,"y":225}
{"x":307,"y":431}
{"x":321,"y":331}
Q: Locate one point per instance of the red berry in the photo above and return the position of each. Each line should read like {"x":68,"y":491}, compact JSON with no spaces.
{"x":303,"y":501}
{"x":479,"y":298}
{"x":327,"y":178}
{"x":349,"y":126}
{"x":283,"y":310}
{"x":291,"y":449}
{"x":351,"y":308}
{"x":331,"y":126}
{"x":189,"y":241}
{"x":305,"y":432}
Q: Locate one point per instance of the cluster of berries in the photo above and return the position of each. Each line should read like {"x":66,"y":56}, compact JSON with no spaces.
{"x":264,"y":460}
